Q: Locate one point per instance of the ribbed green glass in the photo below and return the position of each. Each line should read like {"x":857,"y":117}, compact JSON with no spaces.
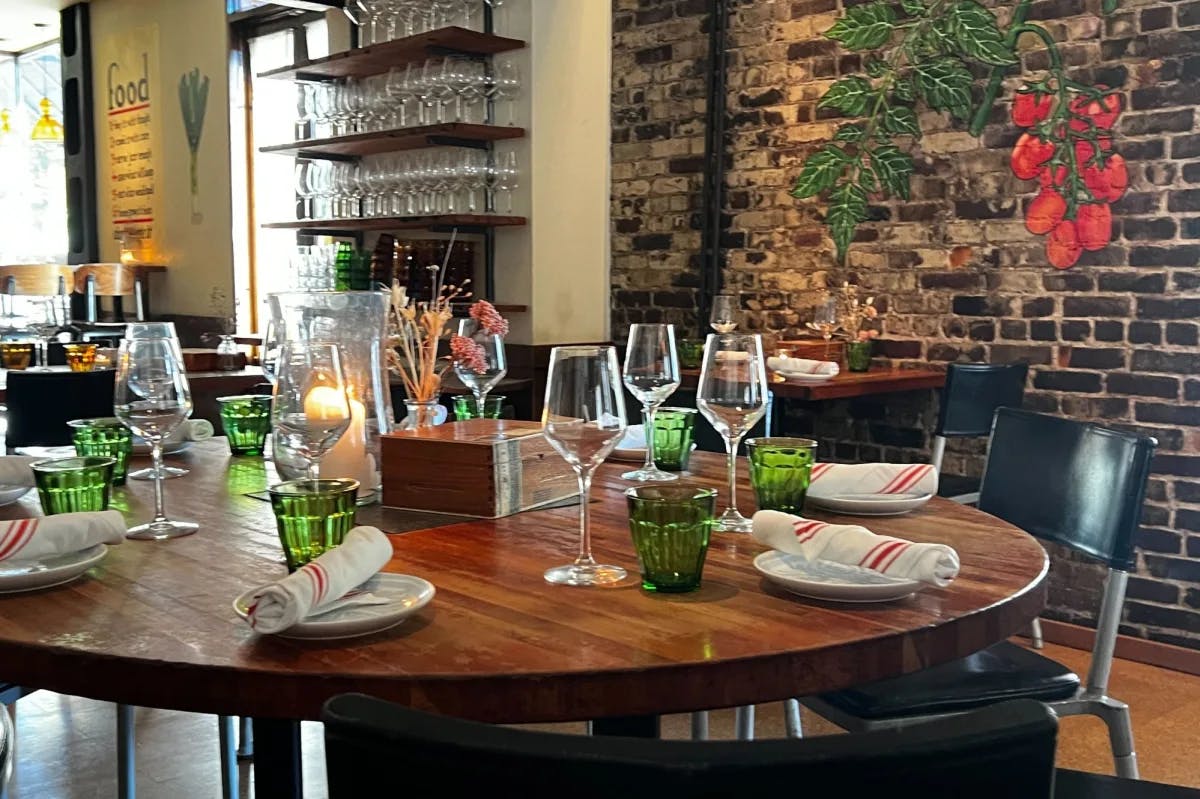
{"x":671,"y":525}
{"x":780,"y":470}
{"x":105,"y":438}
{"x":312,"y":516}
{"x":465,"y":407}
{"x":70,"y":485}
{"x":690,"y":352}
{"x":673,"y":429}
{"x":246,"y":420}
{"x":858,"y":356}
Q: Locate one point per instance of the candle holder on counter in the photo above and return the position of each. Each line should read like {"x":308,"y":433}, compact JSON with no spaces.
{"x":356,"y":322}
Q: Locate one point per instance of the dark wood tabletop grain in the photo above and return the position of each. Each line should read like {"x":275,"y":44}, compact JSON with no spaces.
{"x":153,"y":624}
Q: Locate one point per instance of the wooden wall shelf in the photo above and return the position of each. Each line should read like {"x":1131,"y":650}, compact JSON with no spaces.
{"x":326,"y":226}
{"x":453,"y":134}
{"x":378,"y":58}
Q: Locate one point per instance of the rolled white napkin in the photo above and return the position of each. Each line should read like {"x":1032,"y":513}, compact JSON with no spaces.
{"x":38,"y":539}
{"x":805,"y":366}
{"x":15,"y":471}
{"x":321,"y":585}
{"x":853,"y":545}
{"x":198,"y":430}
{"x":841,"y":479}
{"x":634,"y":438}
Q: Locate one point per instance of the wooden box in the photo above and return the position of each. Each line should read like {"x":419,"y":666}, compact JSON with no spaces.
{"x":479,"y":467}
{"x":814,"y":348}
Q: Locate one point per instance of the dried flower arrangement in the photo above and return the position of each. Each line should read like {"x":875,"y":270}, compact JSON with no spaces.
{"x":854,"y":313}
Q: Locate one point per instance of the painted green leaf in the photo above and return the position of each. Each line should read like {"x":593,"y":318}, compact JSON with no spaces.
{"x":901,"y":120}
{"x":847,"y":208}
{"x":850,"y":132}
{"x":902,"y":91}
{"x":864,"y":27}
{"x":914,"y":8}
{"x":849,"y":95}
{"x":946,"y":85}
{"x":973,"y":29}
{"x":821,"y":170}
{"x":875,"y":67}
{"x":894,"y":168}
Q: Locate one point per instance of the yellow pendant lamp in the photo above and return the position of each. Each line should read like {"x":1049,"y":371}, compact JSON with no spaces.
{"x":47,"y":128}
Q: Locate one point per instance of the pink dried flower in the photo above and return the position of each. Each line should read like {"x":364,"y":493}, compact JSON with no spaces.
{"x":489,"y":318}
{"x":469,"y":354}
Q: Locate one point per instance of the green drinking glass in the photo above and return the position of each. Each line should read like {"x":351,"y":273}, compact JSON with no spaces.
{"x":247,"y":421}
{"x":105,"y":437}
{"x":673,"y":429}
{"x":858,"y":356}
{"x":466,"y":407}
{"x":690,"y":352}
{"x":780,"y":470}
{"x":70,"y":485}
{"x":671,"y":525}
{"x":312,"y":516}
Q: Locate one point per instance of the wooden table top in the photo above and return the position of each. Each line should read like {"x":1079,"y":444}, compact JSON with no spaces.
{"x":153,"y":625}
{"x":845,"y":384}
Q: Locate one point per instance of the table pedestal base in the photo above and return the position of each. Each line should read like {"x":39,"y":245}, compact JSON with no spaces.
{"x":277,"y":770}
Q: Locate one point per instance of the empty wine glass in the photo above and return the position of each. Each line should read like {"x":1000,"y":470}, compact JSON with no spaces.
{"x":268,"y":357}
{"x":825,"y":321}
{"x":152,"y":398}
{"x":723,"y":316}
{"x":504,"y":178}
{"x":45,"y":322}
{"x":310,"y":410}
{"x":583,"y":418}
{"x":652,"y":374}
{"x":482,"y":365}
{"x":506,"y":85}
{"x":732,"y":395}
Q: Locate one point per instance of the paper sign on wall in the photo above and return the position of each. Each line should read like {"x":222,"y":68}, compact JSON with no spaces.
{"x":132,"y":97}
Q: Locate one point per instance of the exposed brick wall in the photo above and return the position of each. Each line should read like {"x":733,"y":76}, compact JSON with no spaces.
{"x":1113,"y":339}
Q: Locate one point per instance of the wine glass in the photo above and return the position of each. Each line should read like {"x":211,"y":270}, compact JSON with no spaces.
{"x":152,"y":399}
{"x":732,"y":395}
{"x":311,"y":410}
{"x":652,"y":374}
{"x":485,"y":365}
{"x":45,"y":323}
{"x":583,"y":419}
{"x":723,"y":316}
{"x":268,"y":357}
{"x":825,"y":321}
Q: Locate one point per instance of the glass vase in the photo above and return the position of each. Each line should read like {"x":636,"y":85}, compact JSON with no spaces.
{"x":422,"y":413}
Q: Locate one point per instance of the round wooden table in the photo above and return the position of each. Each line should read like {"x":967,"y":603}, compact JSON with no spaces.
{"x":153,"y":624}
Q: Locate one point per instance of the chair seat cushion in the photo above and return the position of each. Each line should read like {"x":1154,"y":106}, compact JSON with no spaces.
{"x":1000,"y":672}
{"x":1081,"y":785}
{"x":953,"y":485}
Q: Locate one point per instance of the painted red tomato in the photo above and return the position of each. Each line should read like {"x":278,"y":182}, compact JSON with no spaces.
{"x":1062,"y":247}
{"x":1103,"y":112}
{"x":1107,"y":183}
{"x":1030,"y":107}
{"x":1093,"y":224}
{"x":1045,"y":212}
{"x":1052,"y":176}
{"x":1028,"y":155}
{"x":1085,"y":150}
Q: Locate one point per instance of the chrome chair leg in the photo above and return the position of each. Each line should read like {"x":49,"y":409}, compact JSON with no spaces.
{"x":791,"y":718}
{"x":229,"y":765}
{"x":1035,"y":633}
{"x":700,"y":725}
{"x":126,"y":769}
{"x":246,"y":739}
{"x":1120,"y":736}
{"x":744,"y":723}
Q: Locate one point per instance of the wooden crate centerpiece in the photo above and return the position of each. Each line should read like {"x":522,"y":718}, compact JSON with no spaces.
{"x":478,"y":467}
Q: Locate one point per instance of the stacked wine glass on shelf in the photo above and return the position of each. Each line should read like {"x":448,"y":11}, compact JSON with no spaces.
{"x":449,"y":180}
{"x":383,"y":20}
{"x":450,"y":89}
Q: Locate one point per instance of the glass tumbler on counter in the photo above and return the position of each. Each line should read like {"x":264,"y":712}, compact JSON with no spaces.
{"x":16,"y":356}
{"x":673,"y":433}
{"x":466,"y":406}
{"x":81,"y":357}
{"x":105,"y":438}
{"x":780,"y":471}
{"x":72,"y":485}
{"x":246,"y":421}
{"x":671,"y":526}
{"x":312,"y":516}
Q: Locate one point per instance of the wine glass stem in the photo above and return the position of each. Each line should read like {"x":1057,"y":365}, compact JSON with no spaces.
{"x":585,"y":520}
{"x":648,"y":412}
{"x":156,"y":460}
{"x":480,"y":399}
{"x":314,"y":471}
{"x":731,"y":445}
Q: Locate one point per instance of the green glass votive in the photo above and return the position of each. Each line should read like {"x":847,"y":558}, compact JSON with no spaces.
{"x":673,"y":429}
{"x":105,"y":437}
{"x":690,"y":351}
{"x":780,"y":470}
{"x":858,"y":356}
{"x":68,"y":485}
{"x":465,"y":407}
{"x":312,"y":516}
{"x":670,"y":525}
{"x":247,"y":421}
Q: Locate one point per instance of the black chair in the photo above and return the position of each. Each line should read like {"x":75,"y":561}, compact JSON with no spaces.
{"x":1070,"y":784}
{"x":41,"y":403}
{"x":1081,"y":486}
{"x":1005,"y":751}
{"x":972,"y":393}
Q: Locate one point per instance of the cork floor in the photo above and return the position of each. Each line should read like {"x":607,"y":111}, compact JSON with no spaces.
{"x":66,"y":748}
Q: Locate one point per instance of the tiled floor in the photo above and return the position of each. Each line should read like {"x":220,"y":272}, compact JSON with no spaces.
{"x":66,"y":745}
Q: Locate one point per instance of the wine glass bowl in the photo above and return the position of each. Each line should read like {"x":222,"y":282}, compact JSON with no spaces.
{"x":311,"y":409}
{"x":651,"y":374}
{"x":486,"y":365}
{"x":723,"y":315}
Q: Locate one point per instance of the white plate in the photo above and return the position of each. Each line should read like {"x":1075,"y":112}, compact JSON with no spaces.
{"x":29,"y":576}
{"x":140,"y":447}
{"x":10,"y":494}
{"x":46,"y":452}
{"x":631,"y":447}
{"x":408,"y":594}
{"x":869,"y":504}
{"x":833,"y":581}
{"x":806,"y":378}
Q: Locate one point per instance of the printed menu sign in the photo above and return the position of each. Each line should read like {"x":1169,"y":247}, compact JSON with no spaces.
{"x":131,"y":99}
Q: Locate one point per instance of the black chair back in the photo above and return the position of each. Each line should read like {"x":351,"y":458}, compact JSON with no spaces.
{"x":1077,"y":484}
{"x":974,"y":391}
{"x":41,"y":403}
{"x":1004,"y":751}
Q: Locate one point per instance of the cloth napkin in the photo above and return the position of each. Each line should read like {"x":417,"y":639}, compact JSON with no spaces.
{"x":853,"y":545}
{"x":634,"y":438}
{"x":197,"y":430}
{"x":841,"y":479}
{"x":38,"y":539}
{"x":324,"y":584}
{"x":15,"y":471}
{"x":802,"y":366}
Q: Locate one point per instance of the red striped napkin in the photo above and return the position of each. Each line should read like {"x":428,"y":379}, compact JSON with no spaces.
{"x":38,"y":539}
{"x":853,"y":545}
{"x":323,"y":585}
{"x":848,"y":479}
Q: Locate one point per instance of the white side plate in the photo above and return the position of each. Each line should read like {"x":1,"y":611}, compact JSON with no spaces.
{"x":17,"y":576}
{"x":10,"y":494}
{"x":869,"y":504}
{"x":832,"y":581}
{"x":408,"y":594}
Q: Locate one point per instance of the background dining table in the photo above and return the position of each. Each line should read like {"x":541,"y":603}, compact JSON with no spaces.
{"x":153,"y":624}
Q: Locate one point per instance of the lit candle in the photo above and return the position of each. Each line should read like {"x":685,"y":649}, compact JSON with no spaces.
{"x":348,"y":458}
{"x":325,"y":403}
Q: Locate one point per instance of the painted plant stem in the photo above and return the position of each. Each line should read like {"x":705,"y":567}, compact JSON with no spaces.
{"x":1020,"y":14}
